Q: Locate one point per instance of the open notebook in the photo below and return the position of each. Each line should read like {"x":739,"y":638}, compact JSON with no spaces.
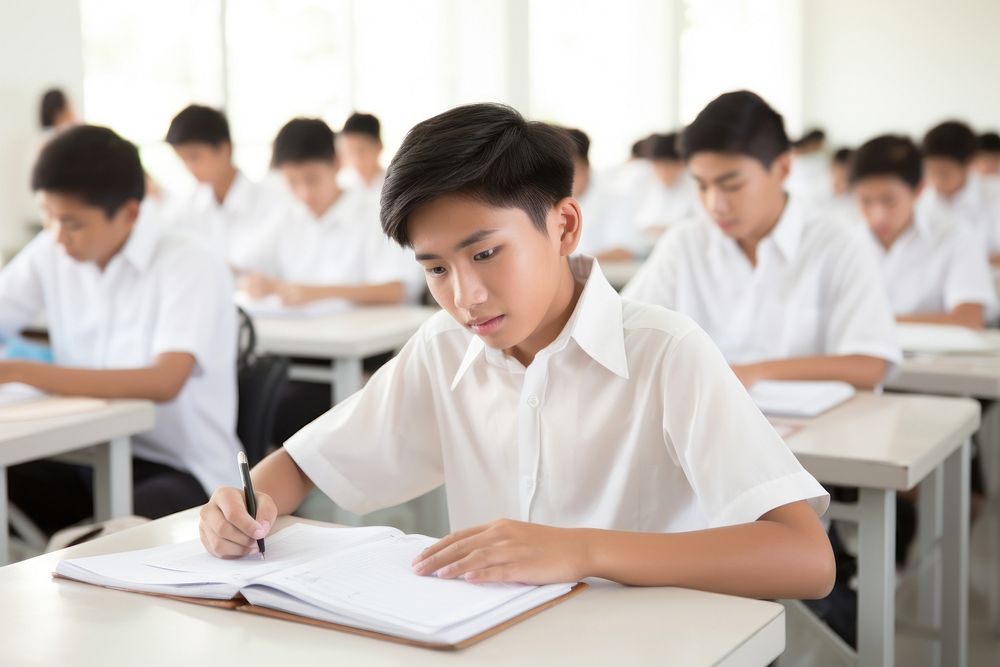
{"x":20,"y":402}
{"x":942,"y":339}
{"x":271,"y":306}
{"x":783,"y":398}
{"x":354,"y":579}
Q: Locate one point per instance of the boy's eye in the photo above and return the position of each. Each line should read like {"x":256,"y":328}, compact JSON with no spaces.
{"x":733,"y":187}
{"x":435,"y":270}
{"x":486,"y":254}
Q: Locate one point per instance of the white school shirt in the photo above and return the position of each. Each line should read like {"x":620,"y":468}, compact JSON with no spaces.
{"x":629,"y":420}
{"x":344,"y":246}
{"x":664,"y":206}
{"x":164,"y":291}
{"x":608,"y":222}
{"x":932,"y":268}
{"x":233,"y":226}
{"x":816,"y":289}
{"x":976,"y":206}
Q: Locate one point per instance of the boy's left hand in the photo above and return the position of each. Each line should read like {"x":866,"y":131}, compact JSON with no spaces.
{"x":507,"y":550}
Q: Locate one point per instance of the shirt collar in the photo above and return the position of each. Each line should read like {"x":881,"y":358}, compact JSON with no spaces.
{"x":141,"y":245}
{"x":596,"y":325}
{"x":786,"y":234}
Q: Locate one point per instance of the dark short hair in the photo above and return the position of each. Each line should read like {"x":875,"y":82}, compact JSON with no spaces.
{"x":54,"y":101}
{"x":843,"y":156}
{"x":664,"y":147}
{"x":888,"y":155}
{"x":642,"y":149}
{"x":197,"y":124}
{"x":488,"y":152}
{"x":581,"y":144}
{"x":989,"y":142}
{"x":953,"y":140}
{"x":303,"y":140}
{"x":739,"y":123}
{"x":812,"y":136}
{"x":363,"y":123}
{"x":92,"y":163}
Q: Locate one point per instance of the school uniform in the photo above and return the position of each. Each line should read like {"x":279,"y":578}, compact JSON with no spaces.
{"x":608,"y":222}
{"x":615,"y":424}
{"x":163,"y":292}
{"x":349,"y":179}
{"x":815,"y":290}
{"x":661,"y":206}
{"x":232,"y":226}
{"x":932,"y":268}
{"x":976,"y":206}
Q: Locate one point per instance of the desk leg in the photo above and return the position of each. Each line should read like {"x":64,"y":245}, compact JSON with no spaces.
{"x":113,"y":479}
{"x":929,"y":515}
{"x":989,"y":457}
{"x":4,"y":522}
{"x":955,"y":559}
{"x":876,"y":578}
{"x":347,"y":378}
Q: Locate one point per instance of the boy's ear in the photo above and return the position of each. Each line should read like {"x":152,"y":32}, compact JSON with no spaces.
{"x":129,"y":212}
{"x":782,"y":165}
{"x":919,"y":189}
{"x":570,"y":225}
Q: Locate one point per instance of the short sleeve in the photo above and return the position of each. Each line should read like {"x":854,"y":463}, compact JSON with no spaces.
{"x":21,"y":291}
{"x":737,"y":465}
{"x":381,"y":446}
{"x":968,"y":278}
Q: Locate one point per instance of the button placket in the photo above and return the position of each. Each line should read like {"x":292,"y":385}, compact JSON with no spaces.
{"x":528,"y":431}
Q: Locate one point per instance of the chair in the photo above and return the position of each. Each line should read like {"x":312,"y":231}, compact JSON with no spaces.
{"x":260,"y":380}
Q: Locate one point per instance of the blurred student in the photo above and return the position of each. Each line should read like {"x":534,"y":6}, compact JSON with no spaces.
{"x":134,"y":310}
{"x":359,"y":146}
{"x":841,"y":203}
{"x":956,"y":193}
{"x":784,"y":291}
{"x":671,"y":196}
{"x":987,"y":160}
{"x":936,"y":274}
{"x":226,"y":208}
{"x":808,"y":177}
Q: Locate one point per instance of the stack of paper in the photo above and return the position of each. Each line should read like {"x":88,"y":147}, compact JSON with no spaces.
{"x":941,"y":339}
{"x":271,"y":306}
{"x":779,"y":398}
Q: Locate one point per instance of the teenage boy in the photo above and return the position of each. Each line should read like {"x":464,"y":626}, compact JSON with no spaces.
{"x":957,"y":194}
{"x":987,"y":160}
{"x":934,"y":273}
{"x":360,"y":146}
{"x":545,"y":401}
{"x":134,"y":311}
{"x":670,"y":197}
{"x":784,"y":292}
{"x":226,"y":208}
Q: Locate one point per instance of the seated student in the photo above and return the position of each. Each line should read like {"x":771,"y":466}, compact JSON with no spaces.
{"x":359,"y":146}
{"x":987,"y":160}
{"x":227,"y":208}
{"x":958,"y":195}
{"x":610,"y":234}
{"x":785,"y":292}
{"x":513,"y":396}
{"x":934,"y":273}
{"x":134,"y":311}
{"x":330,"y":246}
{"x":841,"y":202}
{"x":808,"y":176}
{"x":670,"y":198}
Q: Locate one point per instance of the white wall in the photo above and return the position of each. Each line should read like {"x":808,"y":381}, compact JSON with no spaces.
{"x":900,"y":65}
{"x":40,"y":46}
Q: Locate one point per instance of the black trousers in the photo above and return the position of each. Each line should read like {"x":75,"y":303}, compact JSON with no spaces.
{"x":55,"y":495}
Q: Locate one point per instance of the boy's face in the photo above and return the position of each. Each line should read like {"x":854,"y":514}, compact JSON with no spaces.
{"x":987,"y":163}
{"x":740,"y":194}
{"x":84,"y":231}
{"x":491,"y":268}
{"x":945,"y":175}
{"x":314,"y":183}
{"x":359,"y":152}
{"x":207,"y":163}
{"x":581,"y":176}
{"x":668,"y":171}
{"x":887,"y":204}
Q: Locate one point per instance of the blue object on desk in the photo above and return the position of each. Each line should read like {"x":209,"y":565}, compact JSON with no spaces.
{"x":18,"y":348}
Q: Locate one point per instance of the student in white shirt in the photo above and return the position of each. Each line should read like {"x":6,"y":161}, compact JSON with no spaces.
{"x":546,"y":403}
{"x":841,"y":202}
{"x":934,"y":273}
{"x":133,"y":311}
{"x":329,"y":246}
{"x":227,"y":208}
{"x":808,"y":175}
{"x":359,"y":145}
{"x":670,"y":197}
{"x":958,"y":194}
{"x":785,"y":293}
{"x":987,"y":160}
{"x":611,"y":234}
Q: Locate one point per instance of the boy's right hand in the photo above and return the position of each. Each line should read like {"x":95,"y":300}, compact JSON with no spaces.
{"x":227,"y":530}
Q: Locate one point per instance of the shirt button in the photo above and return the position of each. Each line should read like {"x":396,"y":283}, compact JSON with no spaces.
{"x":533,"y":401}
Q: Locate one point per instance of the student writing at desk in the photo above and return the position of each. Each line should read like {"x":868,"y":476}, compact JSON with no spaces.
{"x":134,"y":311}
{"x":579,"y":434}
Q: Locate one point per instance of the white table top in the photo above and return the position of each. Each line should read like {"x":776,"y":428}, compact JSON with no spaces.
{"x":67,"y":623}
{"x":956,"y":375}
{"x":888,"y":441}
{"x":353,"y":334}
{"x":28,"y":440}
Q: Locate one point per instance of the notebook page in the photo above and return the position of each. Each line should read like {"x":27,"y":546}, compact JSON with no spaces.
{"x":941,"y":339}
{"x":799,"y":398}
{"x":271,"y":306}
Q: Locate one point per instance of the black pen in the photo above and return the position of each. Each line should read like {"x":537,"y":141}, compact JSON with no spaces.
{"x":248,"y":494}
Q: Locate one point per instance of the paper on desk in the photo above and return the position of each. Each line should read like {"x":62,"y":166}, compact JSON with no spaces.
{"x":799,"y":398}
{"x":941,"y":339}
{"x":271,"y":306}
{"x":12,"y":393}
{"x":20,"y":402}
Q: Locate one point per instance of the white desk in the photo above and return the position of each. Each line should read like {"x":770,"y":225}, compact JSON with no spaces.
{"x":889,"y":443}
{"x":67,"y":623}
{"x":344,"y":338}
{"x":107,"y":428}
{"x":619,"y":273}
